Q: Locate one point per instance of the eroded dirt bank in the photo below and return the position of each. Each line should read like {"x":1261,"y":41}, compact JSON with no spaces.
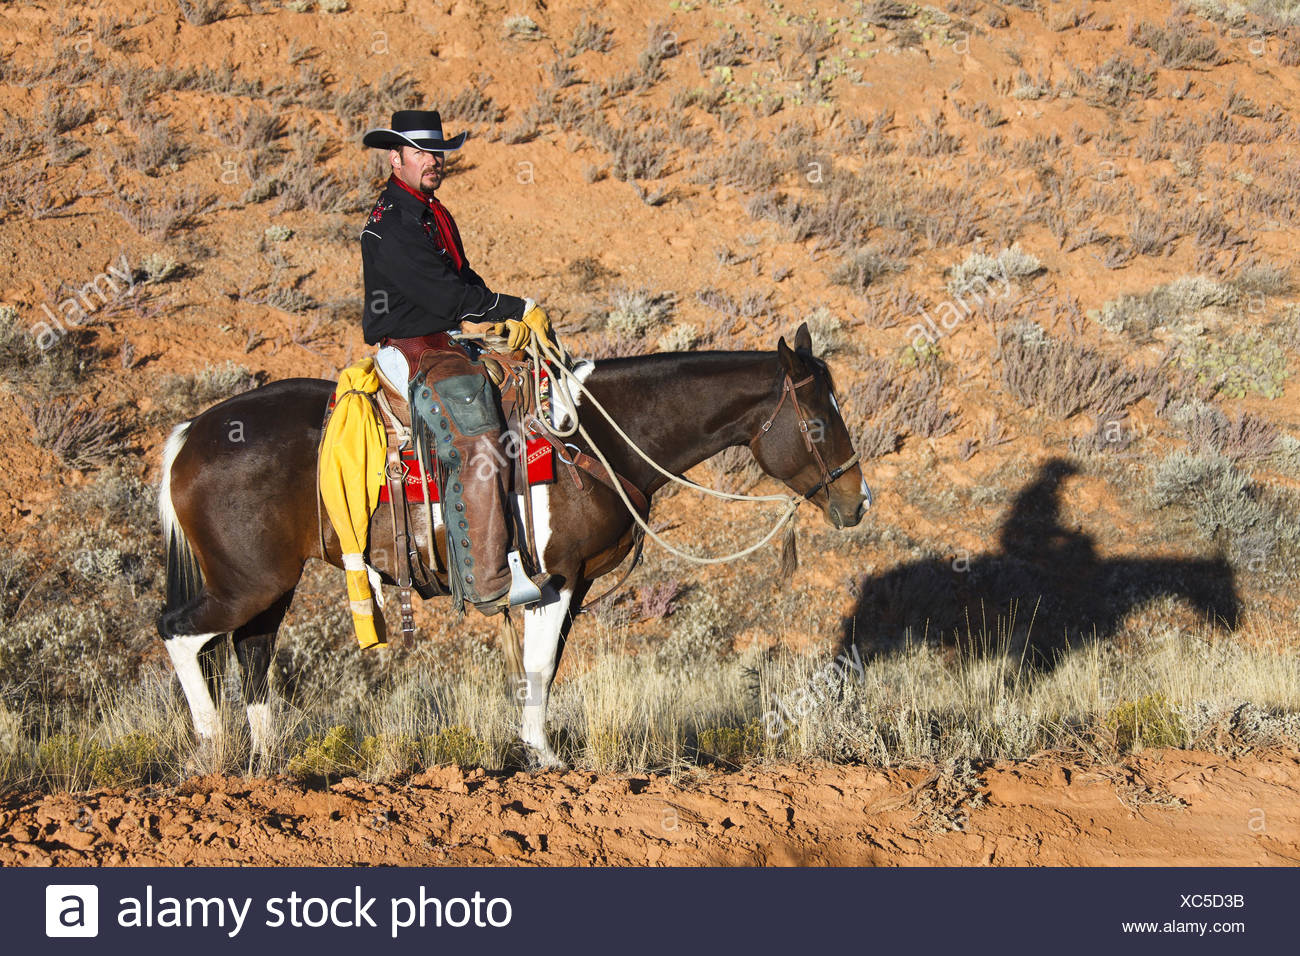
{"x":1164,"y":807}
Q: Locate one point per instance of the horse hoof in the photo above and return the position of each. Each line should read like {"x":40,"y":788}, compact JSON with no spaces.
{"x":541,"y":760}
{"x":204,"y":759}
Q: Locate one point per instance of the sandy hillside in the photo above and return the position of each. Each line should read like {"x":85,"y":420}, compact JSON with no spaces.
{"x":1108,"y":439}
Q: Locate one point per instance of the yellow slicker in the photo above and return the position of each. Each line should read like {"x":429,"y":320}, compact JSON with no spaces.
{"x":351,"y":472}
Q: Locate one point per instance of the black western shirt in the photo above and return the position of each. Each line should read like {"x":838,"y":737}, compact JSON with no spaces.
{"x":412,"y":284}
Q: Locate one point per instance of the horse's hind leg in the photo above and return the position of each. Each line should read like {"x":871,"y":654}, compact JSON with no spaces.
{"x":254,"y":644}
{"x":190,"y":634}
{"x":195,"y":658}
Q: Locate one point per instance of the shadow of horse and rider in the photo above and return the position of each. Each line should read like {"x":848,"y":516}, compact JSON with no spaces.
{"x":1044,"y":586}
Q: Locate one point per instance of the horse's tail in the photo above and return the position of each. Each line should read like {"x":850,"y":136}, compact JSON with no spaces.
{"x":184,"y":578}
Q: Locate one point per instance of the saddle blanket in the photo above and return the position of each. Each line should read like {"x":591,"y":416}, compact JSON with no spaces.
{"x":541,"y":469}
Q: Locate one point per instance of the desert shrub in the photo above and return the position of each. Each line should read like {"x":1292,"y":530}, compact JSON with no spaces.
{"x":18,"y":350}
{"x":1164,"y":305}
{"x":748,"y":164}
{"x":130,"y":760}
{"x":66,"y":652}
{"x":933,"y":139}
{"x":637,"y":151}
{"x":981,"y":269}
{"x":1063,"y":378}
{"x":1263,"y":278}
{"x":826,"y":330}
{"x":161,"y":216}
{"x":1259,"y":526}
{"x":1219,"y":496}
{"x":894,"y":400}
{"x":335,"y":753}
{"x":1177,"y":46}
{"x":1240,"y":726}
{"x":159,"y":267}
{"x":318,"y":662}
{"x":1149,"y":721}
{"x":921,"y":410}
{"x":473,"y":106}
{"x":355,"y":107}
{"x":730,"y":746}
{"x":183,"y":396}
{"x":157,"y":144}
{"x":735,"y":470}
{"x":78,"y":617}
{"x":702,"y":632}
{"x":864,"y":267}
{"x":83,"y":437}
{"x":633,"y":312}
{"x":522,"y":27}
{"x":1151,"y":233}
{"x":202,"y":12}
{"x":679,"y":338}
{"x":590,"y":34}
{"x":1116,"y":81}
{"x":1242,"y":363}
{"x":458,"y":745}
{"x":62,"y":114}
{"x":1244,"y":439}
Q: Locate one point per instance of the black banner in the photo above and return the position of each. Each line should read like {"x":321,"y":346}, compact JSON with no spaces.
{"x":400,"y":910}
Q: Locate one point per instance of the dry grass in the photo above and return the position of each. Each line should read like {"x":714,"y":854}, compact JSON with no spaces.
{"x":625,"y":706}
{"x":1061,"y":378}
{"x":82,"y":437}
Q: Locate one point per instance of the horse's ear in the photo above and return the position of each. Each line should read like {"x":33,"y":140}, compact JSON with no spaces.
{"x":789,"y":361}
{"x":803,"y":339}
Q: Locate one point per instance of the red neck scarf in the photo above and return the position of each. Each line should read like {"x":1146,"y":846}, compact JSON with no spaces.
{"x":447,"y":230}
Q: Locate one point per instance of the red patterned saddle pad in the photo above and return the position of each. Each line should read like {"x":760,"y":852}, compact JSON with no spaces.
{"x":541,"y":469}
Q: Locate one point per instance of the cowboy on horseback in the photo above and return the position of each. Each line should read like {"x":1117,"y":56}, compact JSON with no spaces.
{"x":419,"y":287}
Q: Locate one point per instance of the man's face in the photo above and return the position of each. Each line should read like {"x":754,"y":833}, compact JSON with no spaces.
{"x":418,"y":168}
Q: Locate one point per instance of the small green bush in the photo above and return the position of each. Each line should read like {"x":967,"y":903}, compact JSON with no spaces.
{"x":133,"y":760}
{"x":1149,"y":721}
{"x":337,"y":753}
{"x":390,"y":754}
{"x":731,"y":745}
{"x":456,"y":745}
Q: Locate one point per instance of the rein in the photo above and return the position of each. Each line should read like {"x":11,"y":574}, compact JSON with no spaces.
{"x":559,"y":359}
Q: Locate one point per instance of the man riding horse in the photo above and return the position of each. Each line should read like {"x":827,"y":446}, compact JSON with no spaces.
{"x":419,"y":286}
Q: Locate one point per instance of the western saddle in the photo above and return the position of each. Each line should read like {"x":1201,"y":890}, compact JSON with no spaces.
{"x":512,"y":373}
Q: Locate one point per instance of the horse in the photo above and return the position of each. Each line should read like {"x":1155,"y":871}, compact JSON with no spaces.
{"x":240,"y":514}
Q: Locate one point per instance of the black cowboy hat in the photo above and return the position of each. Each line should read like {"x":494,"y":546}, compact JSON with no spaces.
{"x":419,"y":128}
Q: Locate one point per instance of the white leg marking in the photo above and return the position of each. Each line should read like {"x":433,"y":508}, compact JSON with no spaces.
{"x":866,"y":495}
{"x":262,"y":727}
{"x":542,"y":624}
{"x":184,"y":653}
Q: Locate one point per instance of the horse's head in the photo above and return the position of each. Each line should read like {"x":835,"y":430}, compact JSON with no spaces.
{"x":804,"y":442}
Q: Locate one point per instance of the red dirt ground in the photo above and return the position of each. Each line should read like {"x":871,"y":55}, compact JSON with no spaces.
{"x":1161,"y":808}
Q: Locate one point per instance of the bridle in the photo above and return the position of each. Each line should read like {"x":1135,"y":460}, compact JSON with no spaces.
{"x":788,"y":391}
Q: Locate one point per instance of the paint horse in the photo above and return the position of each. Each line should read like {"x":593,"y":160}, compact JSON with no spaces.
{"x":240,"y":518}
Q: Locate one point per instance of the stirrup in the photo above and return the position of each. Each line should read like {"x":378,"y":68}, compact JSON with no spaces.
{"x":522,"y":589}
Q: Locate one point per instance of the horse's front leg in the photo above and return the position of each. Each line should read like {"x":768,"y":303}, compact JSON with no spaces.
{"x":544,"y":625}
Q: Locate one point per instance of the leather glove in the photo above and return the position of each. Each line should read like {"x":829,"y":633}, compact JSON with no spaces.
{"x":535,"y":323}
